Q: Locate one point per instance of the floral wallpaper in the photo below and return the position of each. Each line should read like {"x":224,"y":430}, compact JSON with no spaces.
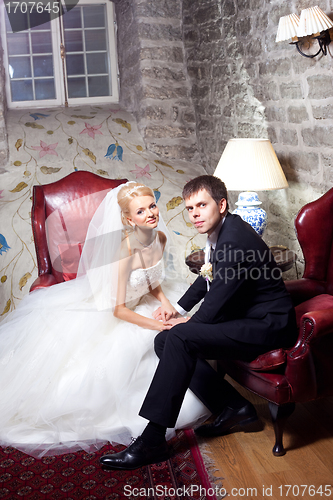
{"x":46,"y":145}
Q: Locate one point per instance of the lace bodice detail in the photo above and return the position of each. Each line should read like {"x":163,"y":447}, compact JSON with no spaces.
{"x":139,"y":280}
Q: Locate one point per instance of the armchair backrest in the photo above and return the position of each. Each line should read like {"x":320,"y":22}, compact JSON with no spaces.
{"x":61,"y":213}
{"x":314,"y":229}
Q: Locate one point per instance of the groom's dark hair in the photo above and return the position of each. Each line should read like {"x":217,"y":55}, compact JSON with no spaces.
{"x":213,"y":185}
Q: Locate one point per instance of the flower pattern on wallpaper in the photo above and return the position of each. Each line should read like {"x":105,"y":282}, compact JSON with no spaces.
{"x":3,"y":244}
{"x":38,"y":116}
{"x":141,"y":172}
{"x":46,"y":149}
{"x":157,"y":194}
{"x":91,"y":130}
{"x":114,"y":152}
{"x":72,"y":139}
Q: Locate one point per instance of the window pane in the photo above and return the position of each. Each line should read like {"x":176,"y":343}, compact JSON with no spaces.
{"x":19,"y":67}
{"x":95,"y":40}
{"x":76,"y":87}
{"x":41,"y":42}
{"x":18,"y":43}
{"x":98,"y":86}
{"x":18,"y":20}
{"x":97,"y":63}
{"x":22,"y":90}
{"x":73,"y":41}
{"x":72,"y":19}
{"x":43,"y":66}
{"x":94,"y":16}
{"x":75,"y":64}
{"x":44,"y":89}
{"x":42,"y":19}
{"x":30,"y":64}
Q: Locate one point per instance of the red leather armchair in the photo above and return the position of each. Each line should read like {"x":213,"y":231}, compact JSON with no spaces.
{"x":305,"y":371}
{"x":61,"y":212}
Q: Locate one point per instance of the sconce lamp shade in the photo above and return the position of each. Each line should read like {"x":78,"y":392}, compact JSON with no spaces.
{"x":287,"y":28}
{"x":250,"y":165}
{"x":313,"y":21}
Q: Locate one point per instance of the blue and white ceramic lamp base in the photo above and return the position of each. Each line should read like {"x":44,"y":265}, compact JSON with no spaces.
{"x":248,"y":208}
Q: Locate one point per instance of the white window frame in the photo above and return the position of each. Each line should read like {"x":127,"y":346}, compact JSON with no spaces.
{"x":59,"y":78}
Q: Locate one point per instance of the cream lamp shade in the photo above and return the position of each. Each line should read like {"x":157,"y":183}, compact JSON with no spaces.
{"x":287,"y":28}
{"x":251,"y":165}
{"x":313,"y":21}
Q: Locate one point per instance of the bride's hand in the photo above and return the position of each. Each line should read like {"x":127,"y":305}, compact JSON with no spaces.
{"x":165,"y":312}
{"x":157,"y":314}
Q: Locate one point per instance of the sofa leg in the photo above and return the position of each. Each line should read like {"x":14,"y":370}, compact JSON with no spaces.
{"x":279,"y":416}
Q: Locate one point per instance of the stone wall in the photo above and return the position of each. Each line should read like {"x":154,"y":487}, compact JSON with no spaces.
{"x":153,"y":80}
{"x":3,"y":130}
{"x":244,"y":84}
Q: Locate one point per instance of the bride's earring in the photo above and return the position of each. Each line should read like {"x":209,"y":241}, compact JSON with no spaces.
{"x":131,"y":223}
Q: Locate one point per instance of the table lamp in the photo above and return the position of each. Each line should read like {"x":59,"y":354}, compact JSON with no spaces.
{"x":250,"y":165}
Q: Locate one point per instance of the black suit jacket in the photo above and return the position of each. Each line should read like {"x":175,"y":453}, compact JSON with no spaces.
{"x":246,"y":286}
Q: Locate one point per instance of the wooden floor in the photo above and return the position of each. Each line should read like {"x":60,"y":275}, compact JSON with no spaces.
{"x":249,"y":469}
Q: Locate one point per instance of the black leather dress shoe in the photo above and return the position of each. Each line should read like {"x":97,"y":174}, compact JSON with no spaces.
{"x":227,"y":420}
{"x":136,"y":455}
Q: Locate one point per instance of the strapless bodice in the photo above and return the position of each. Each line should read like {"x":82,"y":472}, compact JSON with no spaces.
{"x":140,"y":279}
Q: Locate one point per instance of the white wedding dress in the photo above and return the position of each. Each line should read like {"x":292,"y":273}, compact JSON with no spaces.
{"x":75,"y":377}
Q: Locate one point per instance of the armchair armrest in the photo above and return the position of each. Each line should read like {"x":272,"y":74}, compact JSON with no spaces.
{"x":268,"y":361}
{"x":300,"y":367}
{"x":304,"y":289}
{"x":316,"y":324}
{"x":43,"y":281}
{"x":297,"y":362}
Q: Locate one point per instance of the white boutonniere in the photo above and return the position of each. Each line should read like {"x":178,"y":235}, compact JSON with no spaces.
{"x":206,"y":271}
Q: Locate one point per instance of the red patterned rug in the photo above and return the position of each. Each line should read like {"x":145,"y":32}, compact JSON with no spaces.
{"x":78,"y":476}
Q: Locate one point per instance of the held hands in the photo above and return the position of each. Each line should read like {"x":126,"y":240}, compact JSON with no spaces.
{"x":174,"y":321}
{"x":165,"y":312}
{"x":168,"y":316}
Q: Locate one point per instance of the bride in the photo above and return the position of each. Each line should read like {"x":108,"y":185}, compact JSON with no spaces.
{"x":77,"y":358}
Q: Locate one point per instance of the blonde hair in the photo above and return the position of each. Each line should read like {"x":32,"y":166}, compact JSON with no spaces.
{"x":126,"y":194}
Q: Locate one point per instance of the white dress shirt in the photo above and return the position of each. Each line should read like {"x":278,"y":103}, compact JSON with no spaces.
{"x":210,"y":243}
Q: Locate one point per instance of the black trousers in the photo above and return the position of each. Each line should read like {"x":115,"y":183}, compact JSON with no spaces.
{"x":183,"y":351}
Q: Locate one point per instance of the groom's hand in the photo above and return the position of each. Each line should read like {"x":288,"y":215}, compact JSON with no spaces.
{"x":174,"y":321}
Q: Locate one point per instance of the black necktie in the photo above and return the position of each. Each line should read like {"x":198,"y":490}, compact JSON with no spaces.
{"x":211,"y":254}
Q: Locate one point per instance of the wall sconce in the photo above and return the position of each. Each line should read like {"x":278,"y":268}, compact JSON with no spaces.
{"x":313,"y":24}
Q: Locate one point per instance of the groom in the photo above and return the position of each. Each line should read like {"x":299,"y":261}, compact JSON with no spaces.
{"x":246,"y":311}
